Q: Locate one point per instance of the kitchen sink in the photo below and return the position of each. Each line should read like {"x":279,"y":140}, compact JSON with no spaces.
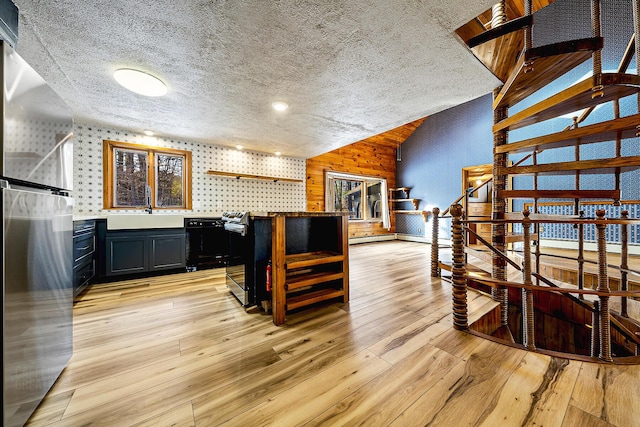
{"x":141,"y":221}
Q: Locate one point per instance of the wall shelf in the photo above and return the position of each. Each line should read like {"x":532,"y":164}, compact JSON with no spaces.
{"x":250,"y":176}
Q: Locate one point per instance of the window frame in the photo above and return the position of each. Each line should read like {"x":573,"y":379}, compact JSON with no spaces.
{"x":365,"y":183}
{"x":108,"y":161}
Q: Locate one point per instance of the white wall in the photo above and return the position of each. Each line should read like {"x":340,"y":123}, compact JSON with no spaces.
{"x":211,"y":194}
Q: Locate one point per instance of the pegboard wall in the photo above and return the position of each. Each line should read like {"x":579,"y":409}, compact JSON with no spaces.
{"x":210,"y":194}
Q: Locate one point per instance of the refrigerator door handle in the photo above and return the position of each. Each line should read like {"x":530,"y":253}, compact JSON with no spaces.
{"x":4,"y":184}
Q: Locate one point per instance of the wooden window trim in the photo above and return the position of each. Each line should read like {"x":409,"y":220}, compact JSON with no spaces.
{"x":108,"y":172}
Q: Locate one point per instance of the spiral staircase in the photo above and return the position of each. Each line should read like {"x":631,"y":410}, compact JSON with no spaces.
{"x":504,"y":44}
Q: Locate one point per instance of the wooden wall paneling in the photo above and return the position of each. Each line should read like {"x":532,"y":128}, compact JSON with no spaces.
{"x":374,"y":156}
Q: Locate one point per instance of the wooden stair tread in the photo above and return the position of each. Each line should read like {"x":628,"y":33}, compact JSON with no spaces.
{"x":549,"y":63}
{"x":599,"y":132}
{"x":470,"y":268}
{"x":298,"y":281}
{"x":560,"y":194}
{"x":308,"y":298}
{"x":403,"y":200}
{"x":309,"y":259}
{"x":574,"y":98}
{"x":595,"y":166}
{"x":501,"y":54}
{"x":504,"y":333}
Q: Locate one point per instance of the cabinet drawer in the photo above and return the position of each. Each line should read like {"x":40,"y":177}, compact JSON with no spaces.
{"x":84,"y":227}
{"x":83,"y":247}
{"x":82,"y":275}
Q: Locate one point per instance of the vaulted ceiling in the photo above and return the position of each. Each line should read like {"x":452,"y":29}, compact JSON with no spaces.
{"x":349,"y":69}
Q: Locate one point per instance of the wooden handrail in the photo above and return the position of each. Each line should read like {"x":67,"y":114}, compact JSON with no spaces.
{"x":496,"y":283}
{"x":607,"y":221}
{"x":494,"y":250}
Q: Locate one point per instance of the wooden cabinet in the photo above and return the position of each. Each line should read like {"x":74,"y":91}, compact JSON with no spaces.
{"x":310,"y":260}
{"x":138,"y":251}
{"x":84,"y":243}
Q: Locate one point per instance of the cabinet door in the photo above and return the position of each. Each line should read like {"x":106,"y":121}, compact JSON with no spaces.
{"x":126,"y":254}
{"x":167,"y":252}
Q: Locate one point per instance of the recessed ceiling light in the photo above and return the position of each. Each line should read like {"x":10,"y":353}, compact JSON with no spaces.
{"x":280,"y":105}
{"x":140,"y":82}
{"x":277,"y":153}
{"x":148,"y":132}
{"x":239,"y":147}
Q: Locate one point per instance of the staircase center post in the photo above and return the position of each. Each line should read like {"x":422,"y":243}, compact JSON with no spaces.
{"x":597,"y":90}
{"x":498,"y":209}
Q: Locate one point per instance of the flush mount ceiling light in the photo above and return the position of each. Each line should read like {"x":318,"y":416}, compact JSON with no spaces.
{"x":279,"y":105}
{"x":140,"y":82}
{"x":239,"y":147}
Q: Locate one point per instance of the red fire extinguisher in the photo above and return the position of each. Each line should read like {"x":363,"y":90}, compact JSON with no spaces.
{"x":269,"y":276}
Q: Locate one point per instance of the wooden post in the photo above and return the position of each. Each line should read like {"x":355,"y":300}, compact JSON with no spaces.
{"x":595,"y":329}
{"x":498,"y":209}
{"x":459,"y":291}
{"x":581,"y":255}
{"x":597,"y":90}
{"x":528,"y":314}
{"x":278,"y":273}
{"x":624,"y":259}
{"x":603,"y":286}
{"x":435,"y":253}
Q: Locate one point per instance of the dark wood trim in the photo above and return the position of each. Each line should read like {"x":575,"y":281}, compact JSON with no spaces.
{"x":504,"y":29}
{"x":588,"y":44}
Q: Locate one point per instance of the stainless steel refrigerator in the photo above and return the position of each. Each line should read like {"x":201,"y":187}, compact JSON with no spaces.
{"x":37,"y":258}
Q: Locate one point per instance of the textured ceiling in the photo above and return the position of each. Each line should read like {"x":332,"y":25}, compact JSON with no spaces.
{"x":349,"y":69}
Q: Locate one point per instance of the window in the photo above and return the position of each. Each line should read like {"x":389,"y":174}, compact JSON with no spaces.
{"x":365,"y":198}
{"x":136,"y":176}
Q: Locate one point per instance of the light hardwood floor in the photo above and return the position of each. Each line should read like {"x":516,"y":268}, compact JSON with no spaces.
{"x":179,"y":351}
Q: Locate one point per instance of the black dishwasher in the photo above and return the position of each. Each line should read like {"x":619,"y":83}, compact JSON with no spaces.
{"x":207,"y":243}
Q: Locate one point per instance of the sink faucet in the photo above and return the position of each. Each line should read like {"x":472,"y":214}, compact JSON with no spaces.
{"x":147,"y":195}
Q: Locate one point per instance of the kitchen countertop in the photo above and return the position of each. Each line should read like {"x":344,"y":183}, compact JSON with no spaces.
{"x":186,"y":215}
{"x":297,"y":214}
{"x":217,"y":214}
